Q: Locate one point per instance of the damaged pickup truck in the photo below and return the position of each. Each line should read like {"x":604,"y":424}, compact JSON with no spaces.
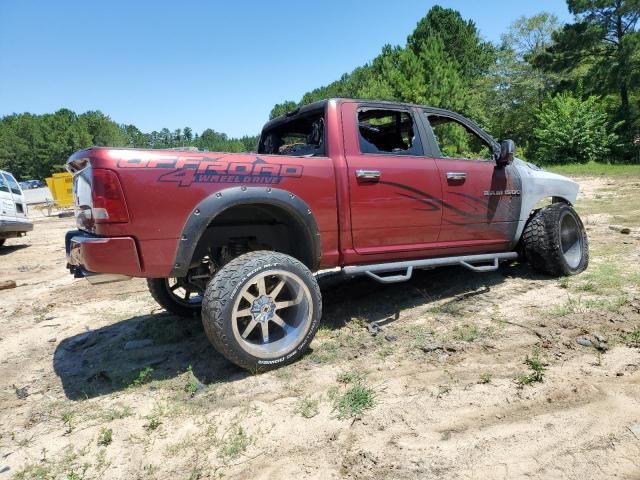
{"x":374,"y":188}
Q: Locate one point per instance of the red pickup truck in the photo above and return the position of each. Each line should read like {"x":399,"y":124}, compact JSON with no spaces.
{"x":374,"y":188}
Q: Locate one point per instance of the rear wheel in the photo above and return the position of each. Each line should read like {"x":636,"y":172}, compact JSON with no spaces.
{"x":262,"y":310}
{"x":176,"y":295}
{"x":555,"y":241}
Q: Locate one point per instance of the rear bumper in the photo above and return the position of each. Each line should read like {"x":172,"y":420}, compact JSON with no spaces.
{"x":14,"y":228}
{"x":102,"y":259}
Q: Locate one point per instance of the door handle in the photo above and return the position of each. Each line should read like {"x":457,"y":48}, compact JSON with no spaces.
{"x":368,"y":175}
{"x":456,"y":176}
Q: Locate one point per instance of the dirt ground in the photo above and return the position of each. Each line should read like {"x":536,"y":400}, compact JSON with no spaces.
{"x":470,"y":376}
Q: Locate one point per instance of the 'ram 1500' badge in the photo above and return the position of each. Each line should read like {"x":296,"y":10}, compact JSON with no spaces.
{"x":500,"y":193}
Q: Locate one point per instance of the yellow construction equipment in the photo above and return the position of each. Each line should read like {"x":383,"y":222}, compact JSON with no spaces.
{"x":61,"y":188}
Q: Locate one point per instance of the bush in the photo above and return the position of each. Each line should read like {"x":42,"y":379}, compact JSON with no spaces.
{"x":572,"y":130}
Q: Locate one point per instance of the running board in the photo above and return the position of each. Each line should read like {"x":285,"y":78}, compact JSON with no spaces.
{"x":468,"y":261}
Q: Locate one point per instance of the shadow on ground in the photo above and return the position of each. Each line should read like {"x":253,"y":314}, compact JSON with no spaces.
{"x":7,"y":249}
{"x":102,"y":361}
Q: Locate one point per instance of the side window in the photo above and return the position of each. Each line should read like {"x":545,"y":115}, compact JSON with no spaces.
{"x":4,"y":187}
{"x":13,"y":185}
{"x":301,"y":136}
{"x":457,"y":141}
{"x":388,"y":132}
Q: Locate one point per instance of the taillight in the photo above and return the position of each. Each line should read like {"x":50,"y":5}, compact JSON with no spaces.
{"x":108,"y":203}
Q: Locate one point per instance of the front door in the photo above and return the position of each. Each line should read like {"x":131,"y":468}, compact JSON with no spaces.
{"x":481,"y":201}
{"x":393,"y":187}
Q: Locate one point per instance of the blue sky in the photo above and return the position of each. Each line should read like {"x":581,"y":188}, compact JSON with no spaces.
{"x":204,"y":64}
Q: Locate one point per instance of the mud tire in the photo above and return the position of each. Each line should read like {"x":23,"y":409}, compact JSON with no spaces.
{"x":544,"y":241}
{"x":222,"y":297}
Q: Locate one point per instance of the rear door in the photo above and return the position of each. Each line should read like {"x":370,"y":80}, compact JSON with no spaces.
{"x":7,"y":205}
{"x":393,"y":187}
{"x":481,"y":201}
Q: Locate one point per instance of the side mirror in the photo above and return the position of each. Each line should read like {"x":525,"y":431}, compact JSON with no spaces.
{"x":507,"y":152}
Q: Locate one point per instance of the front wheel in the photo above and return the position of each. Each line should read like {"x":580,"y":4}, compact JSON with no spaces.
{"x":555,"y":241}
{"x":262,"y":309}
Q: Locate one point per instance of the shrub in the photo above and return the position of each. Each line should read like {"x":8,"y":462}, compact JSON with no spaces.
{"x":572,"y":130}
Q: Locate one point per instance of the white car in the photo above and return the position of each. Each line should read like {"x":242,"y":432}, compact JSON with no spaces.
{"x":13,"y":209}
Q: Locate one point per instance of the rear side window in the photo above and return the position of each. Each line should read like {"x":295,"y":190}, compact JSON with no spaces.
{"x":4,"y":186}
{"x":299,"y":137}
{"x":389,"y":132}
{"x":13,"y":185}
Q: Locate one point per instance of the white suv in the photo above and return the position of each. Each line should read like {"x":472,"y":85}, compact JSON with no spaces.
{"x":13,"y":209}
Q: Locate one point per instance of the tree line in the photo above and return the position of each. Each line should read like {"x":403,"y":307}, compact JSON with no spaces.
{"x":34,"y":146}
{"x":565,"y":93}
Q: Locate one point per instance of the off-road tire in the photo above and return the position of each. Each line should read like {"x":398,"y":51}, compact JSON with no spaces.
{"x":158,"y":289}
{"x":227,"y":285}
{"x":542,"y":241}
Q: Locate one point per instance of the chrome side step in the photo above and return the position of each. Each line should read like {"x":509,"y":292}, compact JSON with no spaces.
{"x":468,"y":261}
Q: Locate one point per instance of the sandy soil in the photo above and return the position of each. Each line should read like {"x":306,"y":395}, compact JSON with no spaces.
{"x":450,"y":374}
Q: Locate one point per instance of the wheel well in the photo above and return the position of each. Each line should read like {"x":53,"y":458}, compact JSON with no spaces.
{"x":253,"y":226}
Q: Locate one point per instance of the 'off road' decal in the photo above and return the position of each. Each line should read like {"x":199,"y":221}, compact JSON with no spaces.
{"x":188,"y":170}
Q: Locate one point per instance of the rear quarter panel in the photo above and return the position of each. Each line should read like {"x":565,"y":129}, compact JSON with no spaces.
{"x":162,"y":188}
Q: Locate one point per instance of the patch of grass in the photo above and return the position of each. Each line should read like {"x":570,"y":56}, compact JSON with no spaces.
{"x":572,"y":305}
{"x":453,"y":308}
{"x":354,"y":401}
{"x":234,"y":442}
{"x":633,"y":337}
{"x":34,"y":471}
{"x":191,"y":385}
{"x":144,"y":376}
{"x":105,"y":437}
{"x":308,"y":407}
{"x":613,"y":305}
{"x":115,"y":413}
{"x":466,"y":333}
{"x":536,"y":369}
{"x":67,"y":421}
{"x":154,"y":419}
{"x":485,"y":378}
{"x":325,"y":352}
{"x":352,"y":376}
{"x":593,"y":169}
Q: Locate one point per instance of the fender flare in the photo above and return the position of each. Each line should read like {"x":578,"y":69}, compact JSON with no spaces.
{"x":213,"y":205}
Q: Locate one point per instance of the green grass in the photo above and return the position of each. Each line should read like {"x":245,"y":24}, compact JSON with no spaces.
{"x":466,"y":333}
{"x":352,"y":376}
{"x":144,"y":376}
{"x":191,"y":385}
{"x":308,"y":407}
{"x":353,"y":402}
{"x":536,"y":369}
{"x":234,"y":442}
{"x":593,"y":169}
{"x":633,"y":338}
{"x":485,"y":378}
{"x":105,"y":437}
